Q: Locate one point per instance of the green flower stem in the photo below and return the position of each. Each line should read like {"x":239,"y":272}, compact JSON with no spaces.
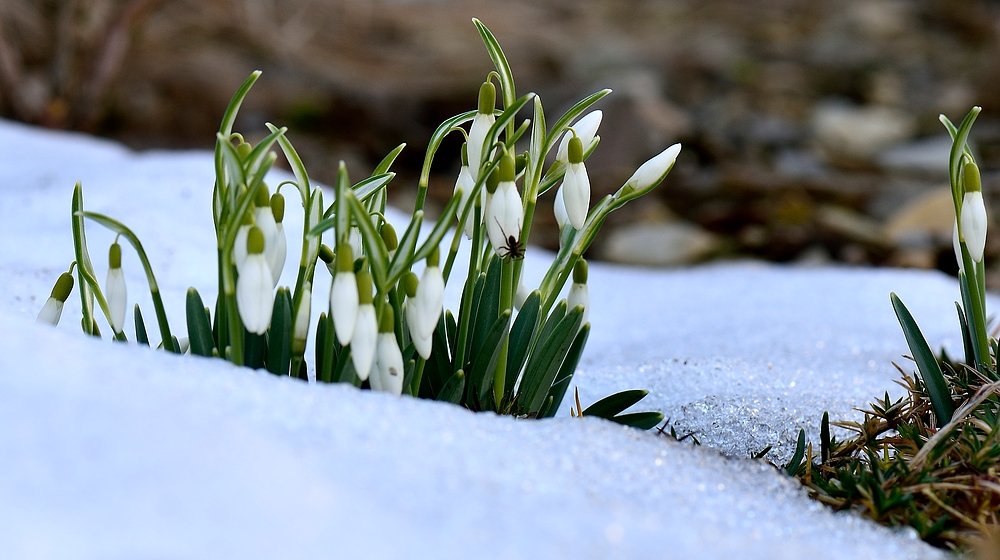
{"x":432,"y":147}
{"x":467,"y":293}
{"x":507,"y":267}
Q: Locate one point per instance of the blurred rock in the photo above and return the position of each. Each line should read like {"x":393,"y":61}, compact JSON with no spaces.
{"x":659,"y":244}
{"x":927,"y":157}
{"x":851,"y":134}
{"x":850,"y":225}
{"x":926,"y":222}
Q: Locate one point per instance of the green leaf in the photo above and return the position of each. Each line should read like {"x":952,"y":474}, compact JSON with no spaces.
{"x":84,"y":268}
{"x":401,"y":260}
{"x":440,"y":229}
{"x":611,"y":405}
{"x":140,"y":327}
{"x":229,"y":116}
{"x":254,"y":349}
{"x":279,"y":335}
{"x":499,"y":61}
{"x":960,"y":138}
{"x":258,"y":155}
{"x":442,"y":130}
{"x":326,"y":349}
{"x":453,"y":388}
{"x":386,"y":163}
{"x":378,"y":256}
{"x":364,"y":189}
{"x":570,"y":116}
{"x":800,"y":449}
{"x":488,"y":309}
{"x":521,"y":335}
{"x":556,"y":393}
{"x":295,"y":162}
{"x":198,"y":325}
{"x":824,"y":437}
{"x":927,"y":364}
{"x":484,"y":361}
{"x":545,"y":361}
{"x":640,"y":420}
{"x":963,"y":323}
{"x":568,"y":368}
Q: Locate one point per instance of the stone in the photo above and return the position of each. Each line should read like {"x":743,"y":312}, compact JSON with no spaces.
{"x":659,"y":244}
{"x":856,"y":134}
{"x":926,"y":221}
{"x":924,"y":157}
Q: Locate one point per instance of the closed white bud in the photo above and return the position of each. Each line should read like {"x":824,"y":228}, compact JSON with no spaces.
{"x":579,"y":295}
{"x":421,"y":343}
{"x":52,"y":310}
{"x":576,"y":187}
{"x":301,"y":329}
{"x":344,"y":296}
{"x":973,"y":224}
{"x":364,"y":339}
{"x":466,"y":184}
{"x":114,"y":288}
{"x":254,"y":287}
{"x":389,"y":365}
{"x":586,"y":130}
{"x":430,"y":297}
{"x":652,"y":172}
{"x":481,"y":124}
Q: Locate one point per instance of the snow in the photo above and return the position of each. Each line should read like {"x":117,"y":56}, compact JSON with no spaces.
{"x":115,"y":451}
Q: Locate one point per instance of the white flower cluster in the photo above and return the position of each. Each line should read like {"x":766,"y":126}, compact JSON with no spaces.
{"x":259,"y":256}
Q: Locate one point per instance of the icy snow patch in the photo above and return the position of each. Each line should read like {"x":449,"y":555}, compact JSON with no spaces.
{"x":114,"y":451}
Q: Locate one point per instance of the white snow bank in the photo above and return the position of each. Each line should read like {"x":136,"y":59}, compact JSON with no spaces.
{"x":113,"y":451}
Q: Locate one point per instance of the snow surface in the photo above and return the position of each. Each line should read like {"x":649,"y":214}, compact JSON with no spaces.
{"x":115,"y":451}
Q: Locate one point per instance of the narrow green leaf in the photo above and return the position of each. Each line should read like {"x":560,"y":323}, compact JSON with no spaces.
{"x":326,"y":349}
{"x":279,"y":335}
{"x":800,"y":449}
{"x":377,"y":254}
{"x":545,"y":361}
{"x":499,"y":61}
{"x":401,"y":260}
{"x":614,"y":404}
{"x":295,"y":162}
{"x":963,"y":323}
{"x":363,"y":190}
{"x":488,"y":309}
{"x":484,"y":361}
{"x":824,"y":437}
{"x":440,"y":229}
{"x":555,"y":397}
{"x":140,"y":327}
{"x":570,"y":116}
{"x":386,"y":163}
{"x":199,"y":328}
{"x":568,"y":368}
{"x":640,"y":420}
{"x":453,"y":388}
{"x":927,"y":364}
{"x":254,"y":349}
{"x":521,"y":335}
{"x":229,"y":116}
{"x":442,"y":130}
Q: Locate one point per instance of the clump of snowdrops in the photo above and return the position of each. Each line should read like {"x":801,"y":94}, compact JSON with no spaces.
{"x":509,"y":348}
{"x":931,"y":459}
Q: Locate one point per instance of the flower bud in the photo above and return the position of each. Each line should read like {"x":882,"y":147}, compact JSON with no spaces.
{"x":52,"y":310}
{"x":254,"y":287}
{"x":115,"y":290}
{"x":652,"y":172}
{"x":365,"y":329}
{"x":389,"y":371}
{"x":481,"y":124}
{"x":344,"y":296}
{"x":388,"y":234}
{"x":300,"y":331}
{"x":575,"y":188}
{"x":579,"y":294}
{"x":973,"y":224}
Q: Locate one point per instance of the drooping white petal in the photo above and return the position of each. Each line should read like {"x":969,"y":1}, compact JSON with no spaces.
{"x":466,"y":184}
{"x":183,"y":344}
{"x":430,"y":300}
{"x":117,"y":297}
{"x":423,"y":344}
{"x":496,"y":212}
{"x":301,"y":329}
{"x":521,"y":295}
{"x":514,"y":212}
{"x":586,"y":129}
{"x":579,"y":295}
{"x":389,"y":365}
{"x":344,"y":305}
{"x":576,"y":194}
{"x":363,"y":341}
{"x":559,"y":209}
{"x":357,"y":245}
{"x":264,"y":218}
{"x":973,"y":224}
{"x":649,"y":173}
{"x":240,"y":246}
{"x":254,"y":294}
{"x":477,"y":137}
{"x":276,"y":257}
{"x":50,"y":312}
{"x":956,"y":244}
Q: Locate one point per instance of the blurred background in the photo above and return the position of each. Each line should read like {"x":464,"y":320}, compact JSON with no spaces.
{"x":810,"y":127}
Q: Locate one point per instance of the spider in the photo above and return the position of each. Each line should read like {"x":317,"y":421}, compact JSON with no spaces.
{"x":513,"y":247}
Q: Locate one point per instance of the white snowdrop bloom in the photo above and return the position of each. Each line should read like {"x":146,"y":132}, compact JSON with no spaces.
{"x":504,"y":215}
{"x":114,"y":288}
{"x":481,"y":124}
{"x":254,"y":287}
{"x":389,"y":372}
{"x":277,"y":251}
{"x":586,"y":130}
{"x":559,"y":209}
{"x":357,"y":243}
{"x":423,"y":344}
{"x":575,"y":188}
{"x":344,"y":296}
{"x":973,"y":221}
{"x":365,"y":329}
{"x":466,"y":184}
{"x":52,"y":310}
{"x":579,"y":294}
{"x":956,"y":244}
{"x":240,"y":244}
{"x":183,"y":344}
{"x":300,"y":330}
{"x":652,"y":172}
{"x":430,"y":296}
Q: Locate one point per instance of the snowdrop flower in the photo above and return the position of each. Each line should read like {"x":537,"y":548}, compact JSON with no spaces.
{"x":357,"y":244}
{"x":579,"y":295}
{"x":575,"y":188}
{"x":957,"y":245}
{"x":423,"y":344}
{"x":183,"y":344}
{"x":430,"y":296}
{"x":504,"y":214}
{"x":973,"y":220}
{"x":344,"y":296}
{"x":389,"y":238}
{"x":652,"y":172}
{"x":53,"y":307}
{"x":240,"y":244}
{"x":559,"y":209}
{"x":300,"y":330}
{"x":481,"y":124}
{"x":276,"y":252}
{"x":254,"y":287}
{"x":388,"y":374}
{"x":114,"y":288}
{"x":466,"y":183}
{"x":585,"y":129}
{"x":365,"y":328}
